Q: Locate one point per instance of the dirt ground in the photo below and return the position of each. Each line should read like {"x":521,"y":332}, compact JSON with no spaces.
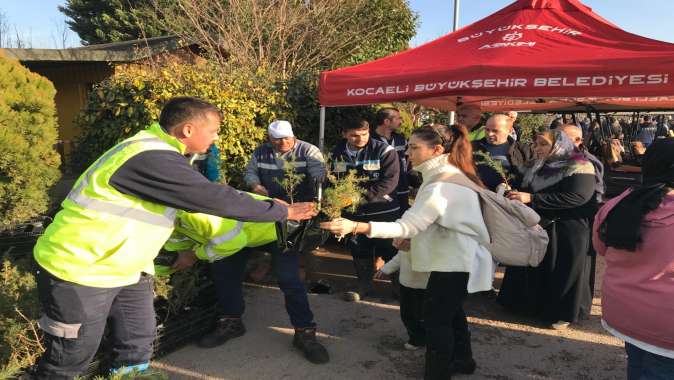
{"x":365,"y":340}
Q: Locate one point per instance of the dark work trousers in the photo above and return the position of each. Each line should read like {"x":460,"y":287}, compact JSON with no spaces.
{"x":447,"y":335}
{"x":404,"y":201}
{"x":228,"y":273}
{"x":411,"y":313}
{"x":74,"y":322}
{"x":364,"y":247}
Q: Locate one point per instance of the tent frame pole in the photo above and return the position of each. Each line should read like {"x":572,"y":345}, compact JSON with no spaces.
{"x":321,"y":130}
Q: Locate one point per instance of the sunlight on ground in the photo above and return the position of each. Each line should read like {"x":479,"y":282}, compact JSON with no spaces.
{"x":173,"y":370}
{"x":291,"y":332}
{"x":579,"y":335}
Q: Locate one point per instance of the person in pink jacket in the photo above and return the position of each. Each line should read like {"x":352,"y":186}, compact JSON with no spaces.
{"x":635,"y":233}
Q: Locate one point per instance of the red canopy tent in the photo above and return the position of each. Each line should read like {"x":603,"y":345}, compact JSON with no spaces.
{"x":530,"y":55}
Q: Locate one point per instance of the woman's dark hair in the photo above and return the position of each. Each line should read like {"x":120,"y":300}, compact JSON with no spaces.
{"x":622,"y":227}
{"x":455,"y":141}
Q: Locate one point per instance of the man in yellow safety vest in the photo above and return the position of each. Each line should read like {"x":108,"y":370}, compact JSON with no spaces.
{"x":227,"y":244}
{"x":94,"y":262}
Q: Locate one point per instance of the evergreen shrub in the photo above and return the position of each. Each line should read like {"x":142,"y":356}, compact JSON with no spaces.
{"x":29,"y":164}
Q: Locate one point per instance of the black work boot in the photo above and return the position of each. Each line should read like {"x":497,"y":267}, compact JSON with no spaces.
{"x":225,"y":329}
{"x":364,"y":271}
{"x":305,"y":341}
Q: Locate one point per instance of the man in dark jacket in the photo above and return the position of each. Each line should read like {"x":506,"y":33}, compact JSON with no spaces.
{"x":379,"y":163}
{"x":512,"y":155}
{"x":387,"y":124}
{"x":266,"y":169}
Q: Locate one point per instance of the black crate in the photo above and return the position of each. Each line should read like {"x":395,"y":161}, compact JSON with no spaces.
{"x":21,"y":237}
{"x":184,"y":328}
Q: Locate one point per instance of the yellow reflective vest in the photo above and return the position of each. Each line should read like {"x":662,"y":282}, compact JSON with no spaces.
{"x":213,"y":238}
{"x":104,"y":238}
{"x":477,"y":134}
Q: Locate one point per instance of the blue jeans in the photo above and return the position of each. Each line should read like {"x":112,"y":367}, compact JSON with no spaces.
{"x":228,"y":275}
{"x":643,"y":365}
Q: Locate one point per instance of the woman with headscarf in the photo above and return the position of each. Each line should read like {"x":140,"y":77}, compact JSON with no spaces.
{"x":560,"y":187}
{"x":635,"y":233}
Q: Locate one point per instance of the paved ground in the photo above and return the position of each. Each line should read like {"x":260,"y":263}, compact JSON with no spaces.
{"x":365,"y":341}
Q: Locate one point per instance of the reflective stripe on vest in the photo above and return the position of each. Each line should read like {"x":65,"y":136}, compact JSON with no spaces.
{"x":77,"y":194}
{"x":178,"y":240}
{"x":229,"y":235}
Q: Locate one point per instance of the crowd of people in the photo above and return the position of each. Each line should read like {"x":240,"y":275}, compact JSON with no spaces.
{"x":94,"y":263}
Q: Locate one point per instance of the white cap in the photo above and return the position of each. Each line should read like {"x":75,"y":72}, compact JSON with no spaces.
{"x":280,"y":129}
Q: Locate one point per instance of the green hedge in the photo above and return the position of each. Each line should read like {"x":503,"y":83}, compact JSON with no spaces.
{"x":28,"y":161}
{"x":131,"y":99}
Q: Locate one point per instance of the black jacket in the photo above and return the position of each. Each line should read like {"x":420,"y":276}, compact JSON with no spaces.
{"x":519,"y":155}
{"x":378,"y":162}
{"x":399,"y":143}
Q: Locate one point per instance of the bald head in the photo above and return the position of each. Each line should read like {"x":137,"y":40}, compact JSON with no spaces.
{"x":574,"y":133}
{"x":498,"y":128}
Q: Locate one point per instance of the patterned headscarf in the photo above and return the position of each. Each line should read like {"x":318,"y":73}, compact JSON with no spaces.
{"x":564,"y":161}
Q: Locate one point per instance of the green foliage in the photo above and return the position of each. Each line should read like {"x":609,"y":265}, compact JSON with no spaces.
{"x":291,"y":179}
{"x":529,"y":125}
{"x":150,"y":374}
{"x":178,"y":289}
{"x":344,"y":192}
{"x":20,"y":339}
{"x":484,"y":158}
{"x":130,"y":100}
{"x":28,"y":162}
{"x":104,"y":21}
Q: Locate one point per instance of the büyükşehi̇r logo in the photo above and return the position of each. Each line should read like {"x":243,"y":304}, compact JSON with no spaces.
{"x":514,"y":36}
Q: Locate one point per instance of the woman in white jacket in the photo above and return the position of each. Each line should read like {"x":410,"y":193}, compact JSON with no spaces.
{"x":448,"y":238}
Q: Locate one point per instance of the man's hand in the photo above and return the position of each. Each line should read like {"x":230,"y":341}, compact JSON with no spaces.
{"x":185,"y":260}
{"x":522,"y":197}
{"x":259,"y":189}
{"x":302,"y":211}
{"x":402,"y":244}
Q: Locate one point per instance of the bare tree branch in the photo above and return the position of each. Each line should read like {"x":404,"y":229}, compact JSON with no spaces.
{"x":283,"y":36}
{"x":5,"y":39}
